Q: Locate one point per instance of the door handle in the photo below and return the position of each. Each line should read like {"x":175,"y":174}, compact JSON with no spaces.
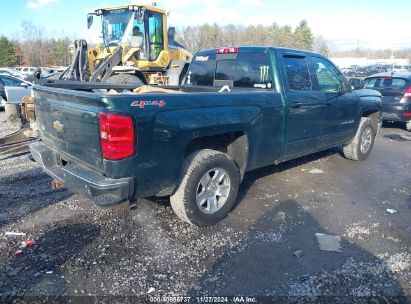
{"x":296,"y":104}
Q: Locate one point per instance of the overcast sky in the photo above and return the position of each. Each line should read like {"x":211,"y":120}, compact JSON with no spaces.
{"x":375,"y":23}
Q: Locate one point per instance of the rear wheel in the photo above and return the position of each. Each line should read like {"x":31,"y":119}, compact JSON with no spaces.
{"x":208,"y":188}
{"x":361,"y":145}
{"x":408,"y":126}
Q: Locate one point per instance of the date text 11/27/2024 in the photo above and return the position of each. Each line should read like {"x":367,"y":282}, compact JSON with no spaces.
{"x":205,"y":299}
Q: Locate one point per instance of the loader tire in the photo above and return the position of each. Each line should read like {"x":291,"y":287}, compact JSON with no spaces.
{"x":126,"y":79}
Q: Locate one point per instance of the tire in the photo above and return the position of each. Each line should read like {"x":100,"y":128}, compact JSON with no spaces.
{"x":361,"y":145}
{"x":192,"y":202}
{"x":126,"y":79}
{"x":408,"y":126}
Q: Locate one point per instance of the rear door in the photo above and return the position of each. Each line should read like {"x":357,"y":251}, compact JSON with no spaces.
{"x":304,"y":106}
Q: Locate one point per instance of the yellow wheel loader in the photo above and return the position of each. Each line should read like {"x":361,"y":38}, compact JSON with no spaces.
{"x":137,"y":49}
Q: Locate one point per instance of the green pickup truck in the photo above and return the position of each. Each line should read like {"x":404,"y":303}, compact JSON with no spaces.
{"x":238,"y":109}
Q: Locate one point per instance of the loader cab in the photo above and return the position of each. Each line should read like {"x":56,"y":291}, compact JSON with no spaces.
{"x":137,"y":27}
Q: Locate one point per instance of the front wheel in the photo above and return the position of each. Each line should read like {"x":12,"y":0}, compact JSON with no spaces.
{"x":361,"y":145}
{"x":208,"y":188}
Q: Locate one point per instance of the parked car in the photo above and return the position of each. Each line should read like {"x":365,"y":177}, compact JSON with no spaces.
{"x":362,"y":72}
{"x":399,"y":68}
{"x":396,"y":95}
{"x":13,"y":89}
{"x":11,"y":72}
{"x":239,"y":109}
{"x":6,"y":71}
{"x":27,"y":72}
{"x":48,"y":72}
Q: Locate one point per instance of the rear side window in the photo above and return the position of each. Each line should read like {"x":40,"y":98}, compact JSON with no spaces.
{"x":248,"y":70}
{"x":386,"y":83}
{"x":298,"y":76}
{"x":202,"y":70}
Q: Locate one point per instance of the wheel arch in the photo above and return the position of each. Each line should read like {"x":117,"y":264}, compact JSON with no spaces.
{"x":234,"y":144}
{"x":375,"y":116}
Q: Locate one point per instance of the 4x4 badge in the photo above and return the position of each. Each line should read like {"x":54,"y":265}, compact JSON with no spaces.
{"x":145,"y":103}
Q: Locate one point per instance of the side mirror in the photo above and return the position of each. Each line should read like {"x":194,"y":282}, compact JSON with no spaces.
{"x":356,"y":83}
{"x":89,"y":21}
{"x":24,"y":84}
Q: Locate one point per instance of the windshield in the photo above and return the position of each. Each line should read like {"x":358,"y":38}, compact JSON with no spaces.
{"x":123,"y":27}
{"x":119,"y":26}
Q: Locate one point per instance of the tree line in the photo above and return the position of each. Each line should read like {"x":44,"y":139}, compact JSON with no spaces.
{"x":32,"y":46}
{"x":206,"y":36}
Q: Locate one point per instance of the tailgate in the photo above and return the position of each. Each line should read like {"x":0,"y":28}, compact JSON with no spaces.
{"x":68,"y":122}
{"x":391,"y":98}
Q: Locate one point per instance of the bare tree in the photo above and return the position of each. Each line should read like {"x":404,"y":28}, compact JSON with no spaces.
{"x":321,"y":46}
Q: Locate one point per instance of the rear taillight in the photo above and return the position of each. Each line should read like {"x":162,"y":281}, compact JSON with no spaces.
{"x":116,"y":136}
{"x":407,"y":93}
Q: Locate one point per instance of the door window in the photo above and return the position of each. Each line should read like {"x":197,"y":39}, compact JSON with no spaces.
{"x":155,"y":32}
{"x":298,"y":75}
{"x":328,"y":77}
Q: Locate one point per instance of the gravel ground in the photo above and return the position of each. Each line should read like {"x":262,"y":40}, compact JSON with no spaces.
{"x":82,"y":250}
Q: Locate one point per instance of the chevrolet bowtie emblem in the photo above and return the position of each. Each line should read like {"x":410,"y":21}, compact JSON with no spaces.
{"x":58,"y":126}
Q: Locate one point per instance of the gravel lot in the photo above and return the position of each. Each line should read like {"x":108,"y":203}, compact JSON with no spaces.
{"x":82,"y":250}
